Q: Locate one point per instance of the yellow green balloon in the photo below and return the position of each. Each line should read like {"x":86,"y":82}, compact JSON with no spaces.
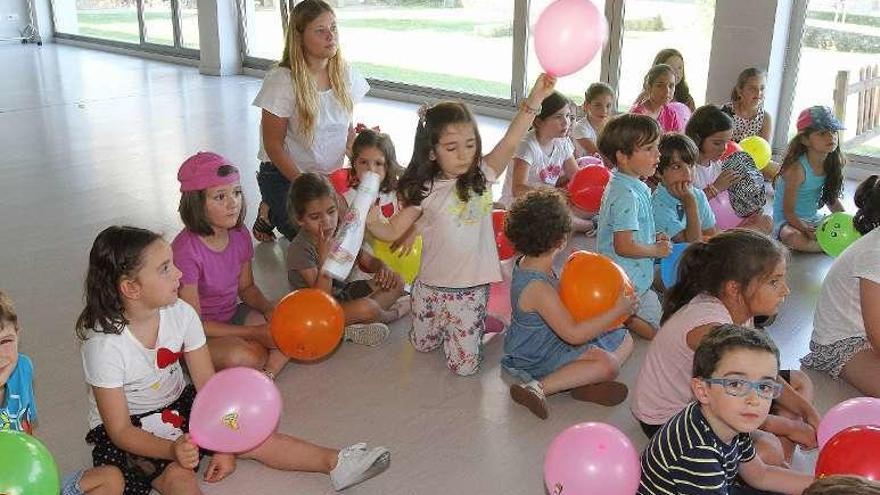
{"x":836,"y":233}
{"x":407,"y":265}
{"x":759,"y":149}
{"x":27,"y":467}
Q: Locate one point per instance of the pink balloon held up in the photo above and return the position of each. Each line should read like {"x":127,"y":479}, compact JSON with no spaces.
{"x":235,"y":411}
{"x":568,"y":35}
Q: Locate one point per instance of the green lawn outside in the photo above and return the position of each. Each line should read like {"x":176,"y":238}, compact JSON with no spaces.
{"x":435,"y":80}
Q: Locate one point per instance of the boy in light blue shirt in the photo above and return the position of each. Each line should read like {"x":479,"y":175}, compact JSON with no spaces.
{"x":18,"y":410}
{"x":626,"y":231}
{"x":681,"y":211}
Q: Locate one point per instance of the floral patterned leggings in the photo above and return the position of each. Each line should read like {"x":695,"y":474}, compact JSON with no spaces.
{"x":454,"y":318}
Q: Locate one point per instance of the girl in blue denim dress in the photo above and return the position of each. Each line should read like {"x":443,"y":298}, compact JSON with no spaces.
{"x":544,"y":346}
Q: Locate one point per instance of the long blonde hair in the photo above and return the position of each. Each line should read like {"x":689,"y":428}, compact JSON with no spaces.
{"x":305,"y":90}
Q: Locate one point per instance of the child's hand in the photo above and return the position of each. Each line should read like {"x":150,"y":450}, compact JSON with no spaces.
{"x":662,"y":245}
{"x":323,"y":245}
{"x":627,"y":304}
{"x":681,"y":191}
{"x":221,"y":466}
{"x":186,"y":453}
{"x":809,"y":232}
{"x":385,"y":278}
{"x":725,"y":180}
{"x":543,"y":88}
{"x":803,"y":434}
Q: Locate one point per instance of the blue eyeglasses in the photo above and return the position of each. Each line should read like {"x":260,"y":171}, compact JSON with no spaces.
{"x":739,"y":387}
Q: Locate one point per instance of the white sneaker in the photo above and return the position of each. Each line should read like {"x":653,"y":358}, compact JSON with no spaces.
{"x":368,"y":334}
{"x":357,"y":464}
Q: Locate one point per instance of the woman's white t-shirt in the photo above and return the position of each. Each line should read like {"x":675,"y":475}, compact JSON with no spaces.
{"x":150,"y":378}
{"x":544,"y":168}
{"x":327,"y":152}
{"x":839,"y":307}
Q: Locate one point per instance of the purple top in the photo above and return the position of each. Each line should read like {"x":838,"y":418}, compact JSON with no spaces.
{"x":214,"y":273}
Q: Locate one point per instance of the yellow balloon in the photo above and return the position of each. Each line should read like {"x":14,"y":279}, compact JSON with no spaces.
{"x":759,"y":149}
{"x":407,"y":266}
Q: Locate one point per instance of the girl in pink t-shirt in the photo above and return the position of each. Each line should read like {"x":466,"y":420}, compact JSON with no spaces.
{"x":446,"y":192}
{"x":731,"y":278}
{"x":659,"y":89}
{"x":214,"y":253}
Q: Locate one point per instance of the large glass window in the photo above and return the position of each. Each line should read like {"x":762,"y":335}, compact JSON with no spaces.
{"x":457,"y":46}
{"x":120,"y":21}
{"x":652,"y":25}
{"x":264,"y":26}
{"x":158,"y":27}
{"x":838,"y":36}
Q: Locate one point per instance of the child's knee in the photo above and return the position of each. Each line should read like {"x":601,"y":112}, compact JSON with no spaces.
{"x":609,"y":367}
{"x":424,"y":342}
{"x":247,"y":354}
{"x":769,"y":448}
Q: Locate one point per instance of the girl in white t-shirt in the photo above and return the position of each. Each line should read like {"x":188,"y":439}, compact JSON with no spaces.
{"x":545,"y":157}
{"x":134,"y":333}
{"x":598,"y":107}
{"x":446,"y":192}
{"x":712,"y":129}
{"x":306,"y":103}
{"x":846,"y":326}
{"x":729,"y":279}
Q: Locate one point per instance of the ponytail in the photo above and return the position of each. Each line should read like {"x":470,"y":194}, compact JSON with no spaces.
{"x":736,"y":255}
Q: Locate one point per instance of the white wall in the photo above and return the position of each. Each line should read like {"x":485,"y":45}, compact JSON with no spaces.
{"x":17,"y":9}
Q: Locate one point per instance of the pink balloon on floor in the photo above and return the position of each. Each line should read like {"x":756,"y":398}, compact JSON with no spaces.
{"x":861,"y":411}
{"x":499,"y":301}
{"x":592,"y":458}
{"x":568,"y":35}
{"x":235,"y":411}
{"x":725,"y":217}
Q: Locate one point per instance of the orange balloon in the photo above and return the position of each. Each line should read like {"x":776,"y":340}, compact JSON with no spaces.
{"x":590,"y":284}
{"x":307,"y":324}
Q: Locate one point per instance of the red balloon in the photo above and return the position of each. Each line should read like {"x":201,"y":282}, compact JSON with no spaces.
{"x":587,"y":187}
{"x":731,"y":148}
{"x":339,"y":179}
{"x":590,"y":284}
{"x":851,"y":451}
{"x":307,"y":324}
{"x":505,"y":247}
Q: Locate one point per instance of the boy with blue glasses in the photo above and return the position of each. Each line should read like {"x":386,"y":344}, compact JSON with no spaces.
{"x":707,"y":445}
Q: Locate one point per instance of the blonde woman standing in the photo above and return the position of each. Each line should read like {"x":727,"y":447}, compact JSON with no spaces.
{"x":307,"y":102}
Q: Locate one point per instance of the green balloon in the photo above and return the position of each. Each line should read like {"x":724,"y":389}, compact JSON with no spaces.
{"x":836,"y":233}
{"x":27,"y":467}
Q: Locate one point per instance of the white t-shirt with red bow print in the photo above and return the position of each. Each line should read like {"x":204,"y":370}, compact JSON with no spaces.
{"x":150,"y":378}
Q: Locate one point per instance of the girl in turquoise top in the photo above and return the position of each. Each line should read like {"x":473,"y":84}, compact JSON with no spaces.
{"x":811,"y":176}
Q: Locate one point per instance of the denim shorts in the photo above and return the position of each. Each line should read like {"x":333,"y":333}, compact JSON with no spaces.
{"x":608,"y":342}
{"x":70,"y":483}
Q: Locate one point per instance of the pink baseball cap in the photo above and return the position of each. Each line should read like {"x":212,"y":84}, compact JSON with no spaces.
{"x":202,"y":171}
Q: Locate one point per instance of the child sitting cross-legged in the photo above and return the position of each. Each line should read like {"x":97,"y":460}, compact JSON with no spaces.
{"x":544,"y":345}
{"x":703,"y":448}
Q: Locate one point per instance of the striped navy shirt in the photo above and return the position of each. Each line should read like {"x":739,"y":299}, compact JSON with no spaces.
{"x":686,"y":457}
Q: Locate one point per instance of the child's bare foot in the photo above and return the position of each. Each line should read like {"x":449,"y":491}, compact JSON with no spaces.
{"x":605,"y":393}
{"x":263,"y":229}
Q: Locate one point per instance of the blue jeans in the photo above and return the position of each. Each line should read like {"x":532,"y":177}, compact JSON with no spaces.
{"x":275,"y":189}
